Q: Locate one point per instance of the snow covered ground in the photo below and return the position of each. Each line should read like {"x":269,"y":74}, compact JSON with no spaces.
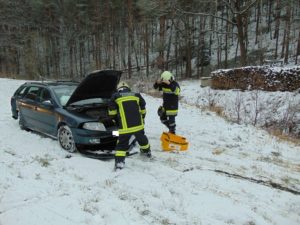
{"x":231,"y":174}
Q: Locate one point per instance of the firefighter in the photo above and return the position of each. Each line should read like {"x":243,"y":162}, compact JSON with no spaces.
{"x":171,"y":90}
{"x":128,"y":110}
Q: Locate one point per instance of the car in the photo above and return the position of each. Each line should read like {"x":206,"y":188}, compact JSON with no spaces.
{"x":76,"y":114}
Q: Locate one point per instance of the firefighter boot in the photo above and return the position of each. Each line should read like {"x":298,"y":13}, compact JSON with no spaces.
{"x":119,"y":162}
{"x":146,"y":153}
{"x":172,"y":129}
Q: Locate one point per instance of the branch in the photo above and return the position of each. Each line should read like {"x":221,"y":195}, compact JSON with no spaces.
{"x":241,"y":12}
{"x":218,"y":32}
{"x":247,"y":7}
{"x":229,"y":6}
{"x":205,"y":14}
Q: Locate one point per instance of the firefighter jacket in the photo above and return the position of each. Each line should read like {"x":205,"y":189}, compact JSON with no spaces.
{"x":170,"y":96}
{"x":128,"y":108}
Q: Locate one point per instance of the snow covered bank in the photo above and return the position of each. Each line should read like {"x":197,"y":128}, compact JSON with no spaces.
{"x":280,"y":110}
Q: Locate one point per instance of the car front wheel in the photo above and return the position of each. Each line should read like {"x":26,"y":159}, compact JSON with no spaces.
{"x":65,"y":138}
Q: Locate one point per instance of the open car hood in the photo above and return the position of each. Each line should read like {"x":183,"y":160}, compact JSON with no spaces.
{"x":98,"y":84}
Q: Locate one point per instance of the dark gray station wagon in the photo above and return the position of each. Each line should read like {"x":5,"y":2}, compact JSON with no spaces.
{"x":74,"y":113}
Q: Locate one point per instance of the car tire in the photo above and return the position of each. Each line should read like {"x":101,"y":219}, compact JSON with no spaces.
{"x":22,"y":122}
{"x":65,"y":139}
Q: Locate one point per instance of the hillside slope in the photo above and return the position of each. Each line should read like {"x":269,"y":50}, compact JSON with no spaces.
{"x":231,"y":174}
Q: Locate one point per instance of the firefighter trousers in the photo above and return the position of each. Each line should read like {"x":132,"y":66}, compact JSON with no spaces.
{"x":123,"y":144}
{"x":169,"y":121}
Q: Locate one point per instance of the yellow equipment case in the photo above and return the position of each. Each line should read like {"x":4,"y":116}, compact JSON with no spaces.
{"x":171,"y":142}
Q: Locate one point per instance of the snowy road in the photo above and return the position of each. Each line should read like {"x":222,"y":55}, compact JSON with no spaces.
{"x":231,"y":174}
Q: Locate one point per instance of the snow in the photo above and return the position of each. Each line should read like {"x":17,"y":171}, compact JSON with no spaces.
{"x":251,"y":107}
{"x":41,"y":185}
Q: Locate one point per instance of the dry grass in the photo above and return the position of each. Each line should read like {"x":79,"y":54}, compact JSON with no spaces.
{"x":44,"y":162}
{"x":217,"y":109}
{"x":218,"y":151}
{"x":284,"y":137}
{"x":297,"y":167}
{"x":155,"y":94}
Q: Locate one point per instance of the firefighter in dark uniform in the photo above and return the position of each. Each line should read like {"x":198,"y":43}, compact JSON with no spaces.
{"x":171,"y":90}
{"x":128,"y":110}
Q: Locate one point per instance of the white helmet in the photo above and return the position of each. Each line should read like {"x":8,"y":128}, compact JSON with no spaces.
{"x":167,"y":75}
{"x":122,"y":85}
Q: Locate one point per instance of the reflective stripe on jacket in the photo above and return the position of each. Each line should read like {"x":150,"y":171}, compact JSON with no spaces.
{"x":170,"y":96}
{"x":129,"y":110}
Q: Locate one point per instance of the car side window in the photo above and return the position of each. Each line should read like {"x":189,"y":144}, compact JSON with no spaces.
{"x":32,"y":92}
{"x":44,"y":95}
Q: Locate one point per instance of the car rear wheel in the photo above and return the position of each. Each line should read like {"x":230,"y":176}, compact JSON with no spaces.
{"x":65,"y":138}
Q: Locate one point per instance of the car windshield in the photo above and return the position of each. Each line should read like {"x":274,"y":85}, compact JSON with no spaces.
{"x":64,"y":92}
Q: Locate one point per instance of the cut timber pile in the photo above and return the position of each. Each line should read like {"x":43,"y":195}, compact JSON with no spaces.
{"x":257,"y":78}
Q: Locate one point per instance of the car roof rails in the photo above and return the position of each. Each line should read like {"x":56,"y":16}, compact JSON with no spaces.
{"x":52,"y":81}
{"x":36,"y":82}
{"x":66,"y":81}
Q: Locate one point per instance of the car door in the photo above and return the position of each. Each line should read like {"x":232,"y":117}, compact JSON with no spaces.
{"x":27,"y":106}
{"x":45,"y":112}
{"x":17,"y":96}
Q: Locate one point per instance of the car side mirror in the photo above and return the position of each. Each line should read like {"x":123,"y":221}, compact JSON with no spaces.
{"x":47,"y":103}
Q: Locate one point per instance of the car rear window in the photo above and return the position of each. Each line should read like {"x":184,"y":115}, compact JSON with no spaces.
{"x":20,"y":91}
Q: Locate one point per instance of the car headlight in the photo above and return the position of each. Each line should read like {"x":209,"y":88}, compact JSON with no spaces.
{"x":94,"y":126}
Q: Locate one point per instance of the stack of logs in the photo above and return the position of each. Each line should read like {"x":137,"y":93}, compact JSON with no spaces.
{"x":257,"y":78}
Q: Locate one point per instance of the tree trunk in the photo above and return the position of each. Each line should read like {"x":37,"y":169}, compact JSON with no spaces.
{"x":298,"y":49}
{"x":201,"y":46}
{"x":277,"y":24}
{"x":56,"y":58}
{"x":219,"y":51}
{"x":188,"y":48}
{"x":162,"y":31}
{"x":81,"y":54}
{"x":288,"y":27}
{"x":236,"y":51}
{"x":226,"y":43}
{"x":240,"y":23}
{"x":176,"y":50}
{"x":257,"y":23}
{"x":241,"y":38}
{"x":283,"y":44}
{"x":135,"y":48}
{"x":71,"y":63}
{"x":129,"y":41}
{"x":270,"y":2}
{"x":169,"y":45}
{"x":147,"y":49}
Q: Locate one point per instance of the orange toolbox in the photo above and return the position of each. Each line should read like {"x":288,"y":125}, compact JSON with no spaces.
{"x":171,"y":142}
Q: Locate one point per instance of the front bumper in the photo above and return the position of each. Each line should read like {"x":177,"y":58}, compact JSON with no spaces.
{"x":93,"y":138}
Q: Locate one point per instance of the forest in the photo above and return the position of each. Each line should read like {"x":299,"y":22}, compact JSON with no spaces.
{"x":66,"y":39}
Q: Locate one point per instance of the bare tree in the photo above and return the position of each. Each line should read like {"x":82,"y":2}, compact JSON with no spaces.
{"x":277,"y":23}
{"x":288,"y":29}
{"x":298,"y":48}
